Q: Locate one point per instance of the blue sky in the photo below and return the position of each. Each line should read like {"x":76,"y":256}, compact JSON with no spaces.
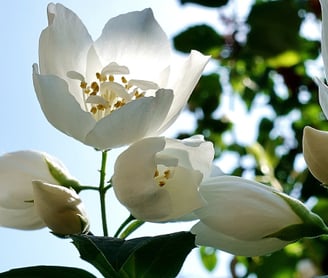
{"x":25,"y":127}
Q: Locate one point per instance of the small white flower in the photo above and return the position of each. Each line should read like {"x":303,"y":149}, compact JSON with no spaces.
{"x":17,"y":171}
{"x":157,"y":179}
{"x":108,"y":93}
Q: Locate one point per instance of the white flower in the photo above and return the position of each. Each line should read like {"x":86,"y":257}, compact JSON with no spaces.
{"x":247,"y":218}
{"x":315,"y":151}
{"x":157,"y":179}
{"x":60,"y":208}
{"x":107,"y":93}
{"x":17,"y":171}
{"x":315,"y":148}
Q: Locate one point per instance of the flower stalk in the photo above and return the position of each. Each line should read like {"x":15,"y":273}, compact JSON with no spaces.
{"x":102,"y":191}
{"x":124,"y":224}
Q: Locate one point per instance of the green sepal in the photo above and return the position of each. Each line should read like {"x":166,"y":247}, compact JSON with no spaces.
{"x":62,"y":179}
{"x":296,"y":232}
{"x":312,"y":226}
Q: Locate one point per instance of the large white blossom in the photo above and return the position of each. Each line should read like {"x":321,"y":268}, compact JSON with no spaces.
{"x":115,"y":90}
{"x":23,"y":207}
{"x":158,"y":178}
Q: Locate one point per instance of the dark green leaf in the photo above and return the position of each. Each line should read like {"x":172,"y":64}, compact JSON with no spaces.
{"x":46,"y":271}
{"x":207,"y":3}
{"x":274,"y":26}
{"x":160,"y":256}
{"x":200,"y":37}
{"x":91,"y":253}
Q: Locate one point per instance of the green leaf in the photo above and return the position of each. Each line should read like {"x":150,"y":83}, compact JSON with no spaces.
{"x":160,"y":256}
{"x":90,"y":252}
{"x":46,"y":271}
{"x":200,"y":37}
{"x":274,"y":28}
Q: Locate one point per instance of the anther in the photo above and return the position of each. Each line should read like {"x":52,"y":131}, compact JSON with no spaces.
{"x":83,"y":84}
{"x":101,"y":107}
{"x":167,"y":174}
{"x":124,"y":80}
{"x":119,"y":103}
{"x":95,"y":87}
{"x":93,"y":110}
{"x":111,"y":78}
{"x":161,"y":183}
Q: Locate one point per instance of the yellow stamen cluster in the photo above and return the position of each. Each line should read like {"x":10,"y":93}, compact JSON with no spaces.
{"x":110,"y":89}
{"x":162,"y":178}
{"x":114,"y":102}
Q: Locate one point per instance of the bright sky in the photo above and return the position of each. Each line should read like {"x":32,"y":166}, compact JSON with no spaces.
{"x":25,"y":127}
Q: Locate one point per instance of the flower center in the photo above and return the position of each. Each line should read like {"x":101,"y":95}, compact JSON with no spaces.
{"x":163,"y":174}
{"x":110,"y":90}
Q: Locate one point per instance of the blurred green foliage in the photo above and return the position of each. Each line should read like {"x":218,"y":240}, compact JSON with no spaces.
{"x":263,"y":56}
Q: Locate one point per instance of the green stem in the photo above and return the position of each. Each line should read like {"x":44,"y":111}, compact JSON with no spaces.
{"x":102,"y":192}
{"x":87,"y":187}
{"x":131,"y":228}
{"x":126,"y":222}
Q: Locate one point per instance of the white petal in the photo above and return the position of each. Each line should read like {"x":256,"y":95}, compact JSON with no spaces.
{"x":183,"y":81}
{"x":135,"y":120}
{"x":315,"y":151}
{"x":205,"y":236}
{"x":23,"y":219}
{"x":136,"y":188}
{"x":64,"y":44}
{"x":244,"y":209}
{"x":17,"y":170}
{"x":323,"y":96}
{"x":194,"y":153}
{"x":183,"y":193}
{"x":60,"y":107}
{"x":324,"y":34}
{"x":137,"y":41}
{"x":59,"y":207}
{"x":133,"y":176}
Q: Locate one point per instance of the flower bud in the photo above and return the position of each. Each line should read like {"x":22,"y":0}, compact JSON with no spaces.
{"x":315,"y":151}
{"x":247,"y":218}
{"x":17,"y":171}
{"x":60,"y":208}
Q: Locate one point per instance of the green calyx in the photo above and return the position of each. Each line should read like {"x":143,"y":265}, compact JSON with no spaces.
{"x":312,"y":226}
{"x":62,"y":179}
